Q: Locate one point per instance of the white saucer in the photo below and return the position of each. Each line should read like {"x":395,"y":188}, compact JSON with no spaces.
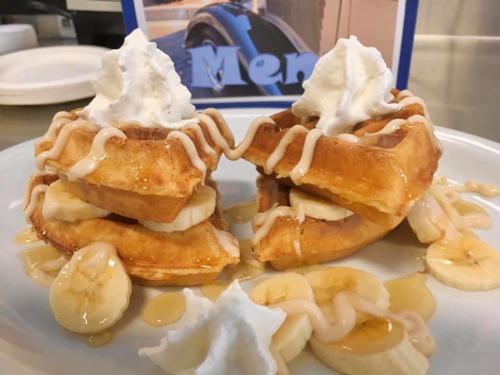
{"x":49,"y":75}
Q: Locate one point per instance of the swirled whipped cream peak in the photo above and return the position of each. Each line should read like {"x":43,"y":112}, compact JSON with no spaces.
{"x":138,"y":84}
{"x":230,"y":336}
{"x":349,"y":84}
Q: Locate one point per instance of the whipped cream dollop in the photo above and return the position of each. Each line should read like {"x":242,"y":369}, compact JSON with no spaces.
{"x":138,"y":84}
{"x":230,"y":336}
{"x":349,"y":84}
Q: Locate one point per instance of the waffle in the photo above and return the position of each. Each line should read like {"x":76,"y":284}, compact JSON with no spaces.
{"x":191,"y":257}
{"x":378,"y":178}
{"x":146,"y":176}
{"x":291,"y":244}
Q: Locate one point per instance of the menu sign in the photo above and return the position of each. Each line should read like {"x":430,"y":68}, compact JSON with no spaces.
{"x":243,"y":48}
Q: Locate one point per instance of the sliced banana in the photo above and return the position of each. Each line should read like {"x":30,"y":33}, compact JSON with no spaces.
{"x":411,"y":293}
{"x":317,"y":207}
{"x":373,"y":347}
{"x":329,"y":281}
{"x":466,"y":263}
{"x":61,"y":204}
{"x":295,"y":332}
{"x":293,"y":336}
{"x":427,"y":219}
{"x":199,"y":208}
{"x":92,"y":291}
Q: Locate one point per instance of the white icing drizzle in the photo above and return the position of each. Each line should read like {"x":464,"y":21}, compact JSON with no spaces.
{"x":409,"y":100}
{"x":30,"y":208}
{"x":305,"y":161}
{"x":347,"y":137}
{"x":36,"y":174}
{"x":227,"y":241}
{"x":97,"y":153}
{"x":265,"y":220}
{"x":219,"y":140}
{"x":59,"y":143}
{"x":225,"y":127}
{"x":389,"y":128}
{"x":283,"y":144}
{"x":476,"y":220}
{"x":486,"y":190}
{"x":59,"y":119}
{"x":191,"y":151}
{"x":297,"y":248}
{"x":207,"y":149}
{"x":437,"y":206}
{"x":345,"y":306}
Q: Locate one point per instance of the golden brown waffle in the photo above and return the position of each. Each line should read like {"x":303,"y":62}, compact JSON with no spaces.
{"x":191,"y":257}
{"x":145,"y":176}
{"x":319,"y":240}
{"x":378,"y":178}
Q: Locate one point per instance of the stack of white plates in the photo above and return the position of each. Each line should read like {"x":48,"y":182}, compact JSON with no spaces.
{"x":49,"y":75}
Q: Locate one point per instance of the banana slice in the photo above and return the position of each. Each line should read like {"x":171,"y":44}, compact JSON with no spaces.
{"x":200,"y":207}
{"x":295,"y":332}
{"x":411,"y":293}
{"x":374,"y":347}
{"x":316,"y":207}
{"x":467,"y":263}
{"x":61,"y":204}
{"x":92,"y":291}
{"x":428,"y":220}
{"x":293,"y":336}
{"x":329,"y":281}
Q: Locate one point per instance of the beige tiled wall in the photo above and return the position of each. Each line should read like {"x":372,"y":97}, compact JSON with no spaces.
{"x":456,"y":64}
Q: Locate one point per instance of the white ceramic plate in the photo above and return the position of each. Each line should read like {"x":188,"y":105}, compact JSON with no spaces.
{"x":49,"y":74}
{"x":466,"y":324}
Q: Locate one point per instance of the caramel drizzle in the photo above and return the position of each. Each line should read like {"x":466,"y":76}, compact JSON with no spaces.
{"x":345,"y":307}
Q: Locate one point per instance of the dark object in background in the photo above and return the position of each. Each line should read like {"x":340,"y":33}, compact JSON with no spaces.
{"x":99,"y":28}
{"x":25,"y":6}
{"x":95,"y":28}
